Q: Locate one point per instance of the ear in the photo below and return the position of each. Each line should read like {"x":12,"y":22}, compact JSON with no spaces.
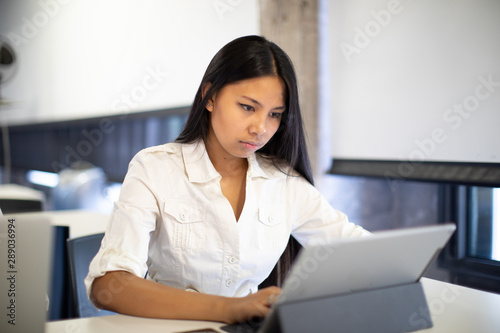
{"x":210,"y":103}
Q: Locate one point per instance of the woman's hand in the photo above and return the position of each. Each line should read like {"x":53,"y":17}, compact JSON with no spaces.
{"x":241,"y":309}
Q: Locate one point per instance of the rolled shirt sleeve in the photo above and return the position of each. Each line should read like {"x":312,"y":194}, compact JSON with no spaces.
{"x":126,"y":242}
{"x":315,"y":220}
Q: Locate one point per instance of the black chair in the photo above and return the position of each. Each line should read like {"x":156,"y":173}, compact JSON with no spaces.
{"x":81,"y":251}
{"x":60,"y":292}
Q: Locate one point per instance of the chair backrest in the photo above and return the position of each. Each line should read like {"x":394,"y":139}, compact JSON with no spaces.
{"x":81,"y":251}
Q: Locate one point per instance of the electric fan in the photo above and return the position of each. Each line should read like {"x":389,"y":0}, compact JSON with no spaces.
{"x":8,"y":65}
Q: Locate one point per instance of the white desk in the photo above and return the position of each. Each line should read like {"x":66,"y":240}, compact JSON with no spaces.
{"x":458,"y":309}
{"x":80,"y":222}
{"x":453,"y":309}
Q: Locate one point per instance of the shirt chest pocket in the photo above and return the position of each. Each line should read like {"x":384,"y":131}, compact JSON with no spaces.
{"x":272,"y":227}
{"x":185,"y":223}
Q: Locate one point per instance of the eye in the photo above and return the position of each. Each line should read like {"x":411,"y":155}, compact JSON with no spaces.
{"x":247,"y":107}
{"x":275,"y":115}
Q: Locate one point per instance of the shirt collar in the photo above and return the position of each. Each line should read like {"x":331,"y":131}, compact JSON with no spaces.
{"x":259,"y":166}
{"x":198,"y":166}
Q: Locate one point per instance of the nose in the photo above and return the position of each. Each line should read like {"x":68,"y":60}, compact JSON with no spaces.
{"x":258,"y":125}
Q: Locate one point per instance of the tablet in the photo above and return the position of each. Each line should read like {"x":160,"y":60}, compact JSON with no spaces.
{"x":387,"y":258}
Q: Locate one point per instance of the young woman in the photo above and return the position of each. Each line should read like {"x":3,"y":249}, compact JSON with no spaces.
{"x":207,"y":217}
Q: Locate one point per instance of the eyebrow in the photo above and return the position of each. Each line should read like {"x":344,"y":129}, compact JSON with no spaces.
{"x":260,"y":105}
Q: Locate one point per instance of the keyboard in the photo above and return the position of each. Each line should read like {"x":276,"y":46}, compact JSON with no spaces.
{"x":249,"y":326}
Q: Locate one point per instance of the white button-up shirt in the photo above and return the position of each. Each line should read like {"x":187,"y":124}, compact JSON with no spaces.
{"x":173,"y":222}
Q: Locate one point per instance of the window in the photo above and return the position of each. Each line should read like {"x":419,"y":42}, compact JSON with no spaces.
{"x":483,"y":223}
{"x":473,"y":254}
{"x":496,"y":224}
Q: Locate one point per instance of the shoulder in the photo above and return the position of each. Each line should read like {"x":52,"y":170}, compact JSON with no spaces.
{"x":166,"y":148}
{"x":150,"y":163}
{"x":158,"y":152}
{"x":156,"y":156}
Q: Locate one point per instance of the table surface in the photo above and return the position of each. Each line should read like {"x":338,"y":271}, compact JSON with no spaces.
{"x":80,"y":222}
{"x":453,"y":309}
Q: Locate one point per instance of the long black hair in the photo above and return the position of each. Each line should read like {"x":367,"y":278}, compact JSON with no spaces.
{"x":246,"y":58}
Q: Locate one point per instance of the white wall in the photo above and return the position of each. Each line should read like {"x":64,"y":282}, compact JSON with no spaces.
{"x":417,"y":80}
{"x":88,"y":58}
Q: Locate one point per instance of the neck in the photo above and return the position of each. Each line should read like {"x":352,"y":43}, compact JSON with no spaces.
{"x":224,"y":163}
{"x":230,"y":167}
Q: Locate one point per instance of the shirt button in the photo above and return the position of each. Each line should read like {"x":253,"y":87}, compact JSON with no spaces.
{"x":271,"y":219}
{"x":229,"y":283}
{"x":183,"y":216}
{"x":232,"y":260}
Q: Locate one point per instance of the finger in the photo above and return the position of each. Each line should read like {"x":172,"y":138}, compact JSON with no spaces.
{"x":272,"y":299}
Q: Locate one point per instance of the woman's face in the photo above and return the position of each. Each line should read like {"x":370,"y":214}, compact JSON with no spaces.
{"x":245,"y":115}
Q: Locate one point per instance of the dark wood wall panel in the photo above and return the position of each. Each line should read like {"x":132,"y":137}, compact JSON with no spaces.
{"x":108,"y":142}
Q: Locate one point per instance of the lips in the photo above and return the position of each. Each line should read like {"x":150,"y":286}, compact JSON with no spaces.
{"x":251,"y":145}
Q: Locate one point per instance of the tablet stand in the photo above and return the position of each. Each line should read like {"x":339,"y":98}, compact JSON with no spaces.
{"x":395,"y":309}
